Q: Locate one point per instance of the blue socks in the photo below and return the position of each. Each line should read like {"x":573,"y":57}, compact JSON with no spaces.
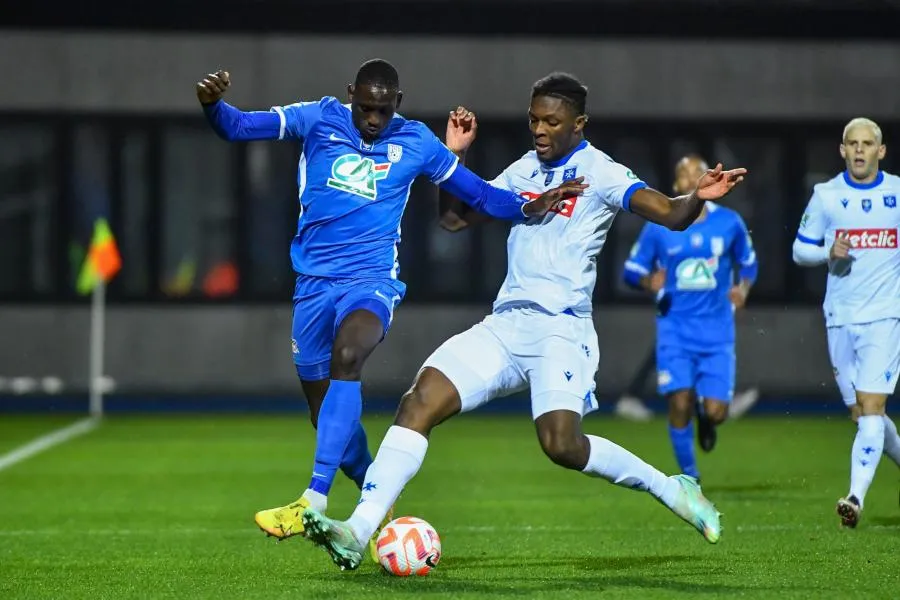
{"x":357,"y":457}
{"x":338,"y":426}
{"x":683,"y":445}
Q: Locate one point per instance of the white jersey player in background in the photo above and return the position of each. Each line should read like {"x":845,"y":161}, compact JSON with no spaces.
{"x":851,"y":223}
{"x":540,"y":334}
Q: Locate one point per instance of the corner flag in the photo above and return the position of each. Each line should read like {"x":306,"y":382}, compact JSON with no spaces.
{"x":103,"y":260}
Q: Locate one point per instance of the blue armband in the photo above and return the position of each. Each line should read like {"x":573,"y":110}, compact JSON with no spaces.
{"x":483,"y":197}
{"x":235,"y":125}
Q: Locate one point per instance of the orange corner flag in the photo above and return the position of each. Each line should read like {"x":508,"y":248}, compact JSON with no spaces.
{"x":103,"y":260}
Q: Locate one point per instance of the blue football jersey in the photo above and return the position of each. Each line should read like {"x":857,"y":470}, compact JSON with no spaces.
{"x":352,"y":194}
{"x":700,"y":264}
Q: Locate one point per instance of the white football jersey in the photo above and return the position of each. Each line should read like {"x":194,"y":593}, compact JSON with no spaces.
{"x":553,"y":259}
{"x":868,"y":213}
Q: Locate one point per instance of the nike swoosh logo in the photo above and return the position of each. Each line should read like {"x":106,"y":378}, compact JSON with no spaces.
{"x":335,"y":138}
{"x":429,"y":560}
{"x":381,"y":295}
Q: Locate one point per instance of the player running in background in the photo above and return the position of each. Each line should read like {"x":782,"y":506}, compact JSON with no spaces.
{"x":630,"y":406}
{"x":691,"y":273}
{"x":358,"y":163}
{"x":540,"y":334}
{"x":851,"y":224}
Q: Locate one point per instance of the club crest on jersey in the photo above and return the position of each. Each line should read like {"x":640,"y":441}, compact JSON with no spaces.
{"x":866,"y":204}
{"x":394,"y":153}
{"x":890,"y":201}
{"x":569,"y":174}
{"x":717,"y":245}
{"x":548,"y":178}
{"x":357,"y":175}
{"x":844,"y":202}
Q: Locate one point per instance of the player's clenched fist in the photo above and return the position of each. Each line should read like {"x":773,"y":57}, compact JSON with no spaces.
{"x":213,"y":87}
{"x":841,"y":247}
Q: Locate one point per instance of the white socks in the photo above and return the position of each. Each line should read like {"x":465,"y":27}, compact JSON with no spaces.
{"x":619,"y":466}
{"x":867,"y":449}
{"x":399,"y":458}
{"x":317,"y":501}
{"x":891,"y":440}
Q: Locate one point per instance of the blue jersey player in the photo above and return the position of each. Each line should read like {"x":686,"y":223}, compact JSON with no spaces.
{"x":692,"y":273}
{"x":358,"y":163}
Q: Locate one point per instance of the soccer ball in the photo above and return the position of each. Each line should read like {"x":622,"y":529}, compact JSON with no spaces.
{"x":408,"y":546}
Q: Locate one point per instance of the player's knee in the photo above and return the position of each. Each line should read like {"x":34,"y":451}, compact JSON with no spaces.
{"x":871,"y":404}
{"x":425,"y":406}
{"x":681,"y":408}
{"x":347,"y":362}
{"x":717,"y":411}
{"x":564,"y":448}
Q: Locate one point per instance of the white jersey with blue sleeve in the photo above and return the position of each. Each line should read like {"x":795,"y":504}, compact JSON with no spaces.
{"x":352,"y":194}
{"x":553,"y":259}
{"x":867,"y":288}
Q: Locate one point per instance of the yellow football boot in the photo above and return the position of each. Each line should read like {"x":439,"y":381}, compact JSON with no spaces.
{"x":284,"y":521}
{"x":373,"y":545}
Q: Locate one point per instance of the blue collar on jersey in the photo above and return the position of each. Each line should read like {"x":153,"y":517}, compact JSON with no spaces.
{"x":565,"y":159}
{"x":863,"y":186}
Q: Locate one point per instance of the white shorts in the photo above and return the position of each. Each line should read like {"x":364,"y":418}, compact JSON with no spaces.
{"x":865,"y":357}
{"x":556,"y":355}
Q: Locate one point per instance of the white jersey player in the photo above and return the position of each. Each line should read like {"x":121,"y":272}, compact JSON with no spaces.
{"x":852,"y":224}
{"x":540,"y":334}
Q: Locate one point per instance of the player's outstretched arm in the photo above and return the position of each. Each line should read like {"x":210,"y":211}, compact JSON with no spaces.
{"x":230,"y":123}
{"x":678,"y":213}
{"x":503,"y":204}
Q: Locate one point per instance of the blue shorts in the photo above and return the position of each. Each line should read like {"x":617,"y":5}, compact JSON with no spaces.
{"x":710,"y":373}
{"x":321,"y":305}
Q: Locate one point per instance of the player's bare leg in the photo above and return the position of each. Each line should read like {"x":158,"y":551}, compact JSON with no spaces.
{"x":564,"y":442}
{"x":711,"y":414}
{"x":865,"y":454}
{"x":681,"y":430}
{"x":432,"y":400}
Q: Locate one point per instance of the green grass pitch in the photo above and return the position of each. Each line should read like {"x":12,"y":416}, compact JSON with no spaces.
{"x":161,"y":507}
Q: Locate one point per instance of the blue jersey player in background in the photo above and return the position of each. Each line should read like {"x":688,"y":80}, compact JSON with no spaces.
{"x":358,"y":163}
{"x":692,"y":273}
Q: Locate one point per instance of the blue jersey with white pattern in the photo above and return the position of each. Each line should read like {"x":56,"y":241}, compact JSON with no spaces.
{"x":700,"y":263}
{"x":352,"y":194}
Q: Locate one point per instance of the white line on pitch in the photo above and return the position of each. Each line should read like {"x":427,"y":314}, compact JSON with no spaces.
{"x":44,"y":442}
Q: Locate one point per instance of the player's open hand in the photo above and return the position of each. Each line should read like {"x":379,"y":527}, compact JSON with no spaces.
{"x":738,"y":296}
{"x":549,"y":199}
{"x":213,"y":87}
{"x":840,"y":249}
{"x":657,"y":280}
{"x":461,"y":128}
{"x":716,"y":183}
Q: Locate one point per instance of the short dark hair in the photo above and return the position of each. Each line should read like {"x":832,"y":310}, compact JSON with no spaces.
{"x":564,"y":86}
{"x":378,"y":72}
